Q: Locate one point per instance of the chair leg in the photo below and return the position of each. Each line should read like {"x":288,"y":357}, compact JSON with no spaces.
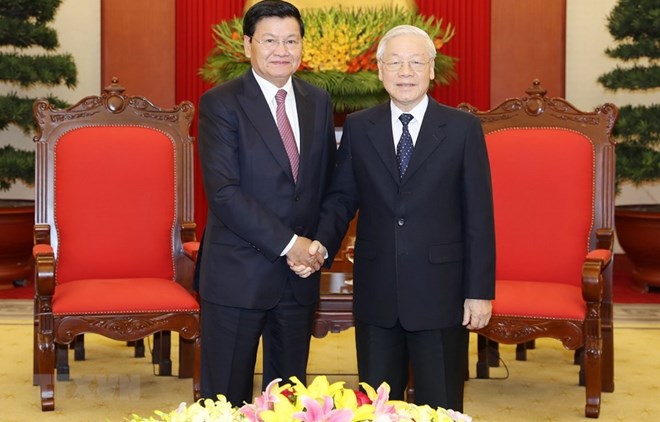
{"x":46,"y":371}
{"x":35,"y":348}
{"x":197,"y":371}
{"x":608,"y":347}
{"x":521,"y":351}
{"x":62,"y":365}
{"x":592,"y":363}
{"x":577,"y":356}
{"x":139,"y":347}
{"x":78,"y":346}
{"x":164,"y":360}
{"x":483,"y":357}
{"x":186,"y":358}
{"x":410,"y":388}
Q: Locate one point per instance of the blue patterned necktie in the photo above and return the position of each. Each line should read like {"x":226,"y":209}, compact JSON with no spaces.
{"x":404,"y":148}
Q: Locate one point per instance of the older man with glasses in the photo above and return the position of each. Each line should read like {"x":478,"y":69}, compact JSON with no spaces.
{"x":424,"y":270}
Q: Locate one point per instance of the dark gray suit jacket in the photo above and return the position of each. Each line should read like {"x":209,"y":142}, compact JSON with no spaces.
{"x":425,"y":243}
{"x":254,"y":205}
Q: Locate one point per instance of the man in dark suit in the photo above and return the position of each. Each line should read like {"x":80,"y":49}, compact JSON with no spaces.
{"x":425,"y":251}
{"x":267,"y":147}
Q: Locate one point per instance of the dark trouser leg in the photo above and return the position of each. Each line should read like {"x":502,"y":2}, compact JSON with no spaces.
{"x":439,"y":361}
{"x":230,"y":339}
{"x":286,"y":339}
{"x":382,"y":356}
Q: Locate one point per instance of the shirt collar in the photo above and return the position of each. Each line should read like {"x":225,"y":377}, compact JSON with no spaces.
{"x":270,"y":90}
{"x":417,"y":111}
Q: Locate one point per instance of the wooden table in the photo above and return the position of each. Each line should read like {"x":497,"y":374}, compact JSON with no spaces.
{"x":335,"y":310}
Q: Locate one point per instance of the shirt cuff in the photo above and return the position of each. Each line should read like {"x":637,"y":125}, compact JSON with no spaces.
{"x":289,"y":245}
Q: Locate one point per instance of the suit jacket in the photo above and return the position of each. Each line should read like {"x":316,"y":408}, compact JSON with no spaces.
{"x":254,"y":205}
{"x":424,"y":243}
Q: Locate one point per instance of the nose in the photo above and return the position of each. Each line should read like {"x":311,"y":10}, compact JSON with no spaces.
{"x":406,"y":68}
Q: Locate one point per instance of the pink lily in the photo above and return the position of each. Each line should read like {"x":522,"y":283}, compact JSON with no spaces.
{"x":317,"y":413}
{"x":264,"y":402}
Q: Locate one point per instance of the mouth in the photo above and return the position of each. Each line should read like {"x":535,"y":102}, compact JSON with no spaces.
{"x":406,"y":85}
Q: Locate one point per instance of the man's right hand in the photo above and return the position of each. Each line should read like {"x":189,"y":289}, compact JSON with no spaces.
{"x":304,"y":262}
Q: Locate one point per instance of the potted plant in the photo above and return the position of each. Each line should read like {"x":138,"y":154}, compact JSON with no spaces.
{"x":633,"y":24}
{"x":25,"y":26}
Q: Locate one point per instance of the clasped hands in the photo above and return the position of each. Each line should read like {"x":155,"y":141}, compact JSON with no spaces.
{"x":306,"y":256}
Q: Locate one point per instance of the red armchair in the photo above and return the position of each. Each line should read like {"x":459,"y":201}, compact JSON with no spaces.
{"x":553,"y":187}
{"x":114,"y":212}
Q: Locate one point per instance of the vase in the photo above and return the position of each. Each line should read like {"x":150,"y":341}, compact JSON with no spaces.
{"x":638,"y":232}
{"x":16,"y":226}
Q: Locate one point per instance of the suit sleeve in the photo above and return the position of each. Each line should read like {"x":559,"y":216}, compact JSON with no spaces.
{"x":340,"y":202}
{"x":479,"y":219}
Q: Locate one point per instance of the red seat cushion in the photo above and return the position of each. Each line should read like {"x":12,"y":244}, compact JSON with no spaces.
{"x":123,"y":295}
{"x":538,"y":299}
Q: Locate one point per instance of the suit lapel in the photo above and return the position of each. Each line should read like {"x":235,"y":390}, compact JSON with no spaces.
{"x":306,"y":111}
{"x":255,"y":107}
{"x":381,"y":138}
{"x":431,"y":135}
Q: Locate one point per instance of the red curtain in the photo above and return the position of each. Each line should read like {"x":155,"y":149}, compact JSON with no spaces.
{"x":194,"y":42}
{"x":470,"y":45}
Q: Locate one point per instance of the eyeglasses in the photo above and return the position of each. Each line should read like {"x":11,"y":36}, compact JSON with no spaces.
{"x":396,"y":65}
{"x":272,"y":43}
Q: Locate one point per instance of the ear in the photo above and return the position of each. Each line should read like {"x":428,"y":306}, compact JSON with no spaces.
{"x":247,"y":46}
{"x":380,"y":72}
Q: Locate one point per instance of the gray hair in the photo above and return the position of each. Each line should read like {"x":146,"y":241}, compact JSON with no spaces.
{"x":405,"y":30}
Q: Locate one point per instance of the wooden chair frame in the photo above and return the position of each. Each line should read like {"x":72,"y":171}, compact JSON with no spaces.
{"x":595,"y":332}
{"x":112,"y":108}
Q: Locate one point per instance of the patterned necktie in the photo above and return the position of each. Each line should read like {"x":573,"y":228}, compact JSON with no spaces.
{"x":404,"y":148}
{"x":286,"y":133}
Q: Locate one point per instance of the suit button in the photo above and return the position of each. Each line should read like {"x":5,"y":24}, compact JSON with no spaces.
{"x":401,"y":222}
{"x":297,"y":198}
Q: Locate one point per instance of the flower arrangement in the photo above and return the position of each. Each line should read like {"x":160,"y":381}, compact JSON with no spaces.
{"x":339,"y":52}
{"x":318,"y":402}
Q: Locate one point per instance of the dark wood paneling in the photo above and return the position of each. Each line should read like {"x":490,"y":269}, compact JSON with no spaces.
{"x":528,"y":41}
{"x":138,"y":46}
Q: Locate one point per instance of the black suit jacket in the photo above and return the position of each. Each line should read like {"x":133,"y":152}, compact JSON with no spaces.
{"x":425,"y":243}
{"x":254,"y":205}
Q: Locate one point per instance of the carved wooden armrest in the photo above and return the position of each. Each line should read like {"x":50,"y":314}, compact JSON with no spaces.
{"x":191,"y":249}
{"x":592,"y":275}
{"x":44,"y":268}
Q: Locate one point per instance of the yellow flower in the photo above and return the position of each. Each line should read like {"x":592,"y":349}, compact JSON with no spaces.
{"x":339,"y":52}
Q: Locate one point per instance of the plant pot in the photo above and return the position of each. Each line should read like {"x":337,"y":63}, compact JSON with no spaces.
{"x":638,"y":232}
{"x":16,"y":226}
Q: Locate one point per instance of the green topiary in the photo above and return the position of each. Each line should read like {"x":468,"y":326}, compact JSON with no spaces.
{"x":23,"y":25}
{"x":634,"y":25}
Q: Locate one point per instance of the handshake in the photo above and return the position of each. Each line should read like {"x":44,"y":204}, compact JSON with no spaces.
{"x":306,"y":256}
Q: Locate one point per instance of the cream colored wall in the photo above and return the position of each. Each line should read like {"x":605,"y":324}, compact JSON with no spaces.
{"x":586,"y":40}
{"x":77,"y":23}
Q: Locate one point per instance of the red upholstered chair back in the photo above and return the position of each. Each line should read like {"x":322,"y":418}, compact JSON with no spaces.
{"x":542,"y":177}
{"x":114,"y":185}
{"x":112,"y":172}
